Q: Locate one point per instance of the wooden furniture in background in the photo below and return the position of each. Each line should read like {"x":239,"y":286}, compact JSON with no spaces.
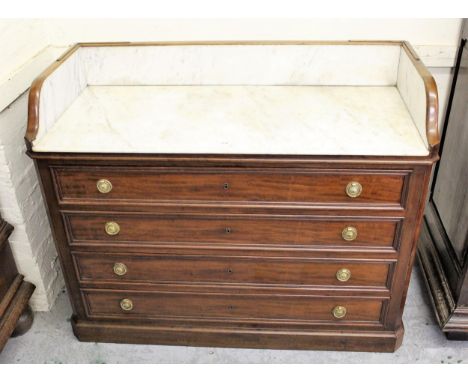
{"x":277,"y":247}
{"x":443,"y":246}
{"x":16,"y":316}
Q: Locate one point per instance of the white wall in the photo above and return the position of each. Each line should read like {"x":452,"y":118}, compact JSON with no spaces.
{"x":23,"y":56}
{"x":21,"y":205}
{"x":417,"y":31}
{"x":28,"y":46}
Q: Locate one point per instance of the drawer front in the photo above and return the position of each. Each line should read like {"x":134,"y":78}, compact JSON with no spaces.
{"x":229,"y":230}
{"x":231,"y":270}
{"x":102,"y":304}
{"x":227,"y":186}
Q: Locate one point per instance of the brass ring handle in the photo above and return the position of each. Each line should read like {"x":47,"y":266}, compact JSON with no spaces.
{"x":353,"y":189}
{"x":343,"y":274}
{"x":120,"y":269}
{"x":126,"y":304}
{"x":112,"y":228}
{"x":349,"y":233}
{"x":339,"y":312}
{"x":104,"y":186}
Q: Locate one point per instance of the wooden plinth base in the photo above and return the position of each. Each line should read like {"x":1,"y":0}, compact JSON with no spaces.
{"x":97,"y":331}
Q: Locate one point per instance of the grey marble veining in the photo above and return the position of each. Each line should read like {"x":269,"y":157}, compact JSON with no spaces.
{"x":232,"y":119}
{"x":288,"y":120}
{"x":295,"y":64}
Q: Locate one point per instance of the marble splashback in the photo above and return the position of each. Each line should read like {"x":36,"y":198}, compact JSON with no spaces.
{"x":354,"y":65}
{"x":412,"y":90}
{"x":59,"y":90}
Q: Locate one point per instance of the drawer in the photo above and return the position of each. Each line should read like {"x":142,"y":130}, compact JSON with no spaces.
{"x":253,"y":230}
{"x":95,"y":267}
{"x":228,"y":186}
{"x":185,"y":305}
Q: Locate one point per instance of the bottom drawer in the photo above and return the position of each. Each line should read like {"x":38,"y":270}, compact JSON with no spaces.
{"x":125,"y":304}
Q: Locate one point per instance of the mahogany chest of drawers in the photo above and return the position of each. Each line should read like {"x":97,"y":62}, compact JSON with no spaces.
{"x":239,"y":240}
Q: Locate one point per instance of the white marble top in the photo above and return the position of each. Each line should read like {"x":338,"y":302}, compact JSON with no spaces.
{"x":283,"y":120}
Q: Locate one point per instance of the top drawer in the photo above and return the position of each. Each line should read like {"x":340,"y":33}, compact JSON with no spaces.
{"x":119,"y":184}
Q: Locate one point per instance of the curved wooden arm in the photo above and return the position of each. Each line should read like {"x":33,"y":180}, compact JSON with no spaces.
{"x":35,"y":95}
{"x":432,"y":99}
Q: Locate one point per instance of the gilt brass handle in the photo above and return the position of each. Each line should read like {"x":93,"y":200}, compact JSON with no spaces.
{"x":120,"y":269}
{"x":126,"y":304}
{"x":104,"y":186}
{"x":112,"y":228}
{"x":343,"y":274}
{"x":349,"y":233}
{"x":339,"y":312}
{"x":353,"y":189}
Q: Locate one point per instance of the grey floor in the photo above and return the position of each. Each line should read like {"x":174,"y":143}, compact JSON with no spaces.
{"x":51,"y":340}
